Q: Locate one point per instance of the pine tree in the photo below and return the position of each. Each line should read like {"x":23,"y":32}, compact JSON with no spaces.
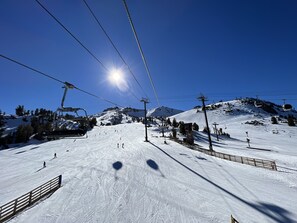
{"x":291,"y":121}
{"x":195,"y":127}
{"x":274,"y":120}
{"x":20,"y":110}
{"x":174,"y":123}
{"x":93,"y":122}
{"x":174,"y":133}
{"x":168,"y":121}
{"x":2,"y":123}
{"x":23,"y":133}
{"x":182,"y":129}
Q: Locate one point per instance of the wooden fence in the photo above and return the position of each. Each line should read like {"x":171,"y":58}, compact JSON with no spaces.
{"x":233,"y":220}
{"x":268,"y":164}
{"x":11,"y":208}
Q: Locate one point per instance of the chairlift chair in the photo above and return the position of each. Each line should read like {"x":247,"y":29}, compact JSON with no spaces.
{"x":287,"y":107}
{"x":258,"y":104}
{"x":66,"y":126}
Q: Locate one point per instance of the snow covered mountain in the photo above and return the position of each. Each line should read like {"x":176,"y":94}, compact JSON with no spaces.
{"x":115,"y":116}
{"x":163,"y":112}
{"x":223,"y":112}
{"x":155,"y":182}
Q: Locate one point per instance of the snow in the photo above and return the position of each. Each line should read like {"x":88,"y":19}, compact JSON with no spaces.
{"x":157,"y":182}
{"x":162,"y":112}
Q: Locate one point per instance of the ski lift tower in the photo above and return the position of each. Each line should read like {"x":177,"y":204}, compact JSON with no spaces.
{"x":145,"y":101}
{"x":203,"y":99}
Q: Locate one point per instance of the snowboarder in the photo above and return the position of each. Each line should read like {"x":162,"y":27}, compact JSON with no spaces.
{"x":44,"y":164}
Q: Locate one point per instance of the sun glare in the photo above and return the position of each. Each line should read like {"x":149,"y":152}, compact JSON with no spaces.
{"x":117,"y":78}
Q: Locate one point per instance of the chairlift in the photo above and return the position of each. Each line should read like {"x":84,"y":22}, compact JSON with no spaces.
{"x":287,"y":107}
{"x":66,"y":125}
{"x":258,"y":104}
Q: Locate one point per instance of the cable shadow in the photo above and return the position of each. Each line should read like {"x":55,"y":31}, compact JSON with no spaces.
{"x":117,"y":166}
{"x":152,"y":164}
{"x":200,"y":158}
{"x":255,"y":148}
{"x":287,"y":168}
{"x":36,"y":147}
{"x":276,"y":213}
{"x":21,"y":152}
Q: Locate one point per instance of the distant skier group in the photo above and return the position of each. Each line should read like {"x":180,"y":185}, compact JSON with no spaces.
{"x":44,"y":163}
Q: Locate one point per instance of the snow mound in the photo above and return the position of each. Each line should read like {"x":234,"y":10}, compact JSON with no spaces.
{"x":163,"y":112}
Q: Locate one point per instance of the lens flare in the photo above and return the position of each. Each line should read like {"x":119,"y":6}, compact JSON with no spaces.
{"x":117,"y":78}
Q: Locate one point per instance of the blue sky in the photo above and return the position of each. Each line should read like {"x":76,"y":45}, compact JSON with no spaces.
{"x":223,"y":49}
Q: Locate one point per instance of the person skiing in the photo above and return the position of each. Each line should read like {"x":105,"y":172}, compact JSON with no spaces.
{"x":55,"y":155}
{"x":44,"y":164}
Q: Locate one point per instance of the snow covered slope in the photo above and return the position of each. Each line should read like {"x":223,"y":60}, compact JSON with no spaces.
{"x":162,"y":112}
{"x":236,"y":118}
{"x":151,"y":182}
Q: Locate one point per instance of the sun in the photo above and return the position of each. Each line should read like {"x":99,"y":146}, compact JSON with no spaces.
{"x":116,"y":77}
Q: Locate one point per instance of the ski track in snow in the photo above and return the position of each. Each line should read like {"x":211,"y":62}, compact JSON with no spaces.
{"x":151,"y":182}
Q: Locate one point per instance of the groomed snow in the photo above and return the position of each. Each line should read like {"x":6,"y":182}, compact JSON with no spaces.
{"x":151,"y":182}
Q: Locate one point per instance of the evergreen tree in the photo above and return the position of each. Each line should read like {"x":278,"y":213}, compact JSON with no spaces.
{"x":20,"y":110}
{"x":36,"y":113}
{"x":291,"y":121}
{"x":174,"y":123}
{"x":195,"y":127}
{"x":168,"y":121}
{"x":2,"y":123}
{"x":93,"y":122}
{"x":174,"y":133}
{"x":274,"y":120}
{"x":23,"y":133}
{"x":182,"y":129}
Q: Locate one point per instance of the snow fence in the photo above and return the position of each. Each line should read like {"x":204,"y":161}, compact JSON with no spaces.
{"x":267,"y":164}
{"x":11,"y":208}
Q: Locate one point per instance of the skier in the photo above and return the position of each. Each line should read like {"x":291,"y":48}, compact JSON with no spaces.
{"x":55,"y":155}
{"x":44,"y":164}
{"x":118,"y":145}
{"x":123,"y":145}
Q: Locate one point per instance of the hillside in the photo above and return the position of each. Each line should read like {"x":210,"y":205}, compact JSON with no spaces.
{"x":156,"y":182}
{"x":243,"y":120}
{"x":163,"y":112}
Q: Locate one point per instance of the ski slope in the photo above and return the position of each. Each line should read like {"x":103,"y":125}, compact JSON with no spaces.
{"x":144,"y":182}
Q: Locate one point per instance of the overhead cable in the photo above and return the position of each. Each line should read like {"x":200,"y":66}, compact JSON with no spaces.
{"x":57,"y":80}
{"x":77,"y":40}
{"x":80,"y":43}
{"x":114,"y":46}
{"x":141,"y":51}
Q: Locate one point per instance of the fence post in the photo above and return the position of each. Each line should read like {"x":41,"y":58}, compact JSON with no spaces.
{"x":273,"y":165}
{"x":15,"y":206}
{"x":30,"y":197}
{"x":60,"y":180}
